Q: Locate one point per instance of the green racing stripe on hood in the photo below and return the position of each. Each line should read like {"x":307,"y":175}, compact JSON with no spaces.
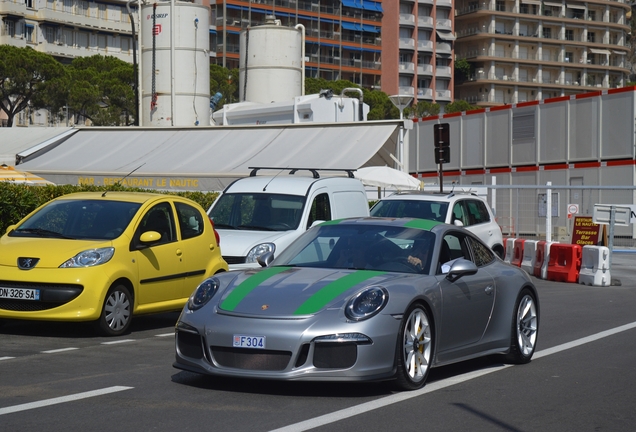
{"x":245,"y":287}
{"x":423,"y":224}
{"x":334,"y":289}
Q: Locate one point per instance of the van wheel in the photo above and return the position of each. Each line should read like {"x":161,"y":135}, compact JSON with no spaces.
{"x":116,"y":312}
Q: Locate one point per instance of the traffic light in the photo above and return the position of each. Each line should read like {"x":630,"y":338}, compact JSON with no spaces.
{"x":442,"y":142}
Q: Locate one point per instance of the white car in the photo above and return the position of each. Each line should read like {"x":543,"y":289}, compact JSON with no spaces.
{"x":458,"y":208}
{"x":260,"y":214}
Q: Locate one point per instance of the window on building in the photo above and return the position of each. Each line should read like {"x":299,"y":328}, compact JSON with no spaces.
{"x":49,"y":34}
{"x":547,"y":33}
{"x":591,"y":37}
{"x":29,"y":34}
{"x":9,"y":28}
{"x":569,"y":35}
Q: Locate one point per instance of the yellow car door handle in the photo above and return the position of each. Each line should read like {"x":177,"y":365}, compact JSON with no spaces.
{"x":179,"y":252}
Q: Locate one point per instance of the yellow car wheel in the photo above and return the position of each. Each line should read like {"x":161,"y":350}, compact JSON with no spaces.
{"x":116,"y":312}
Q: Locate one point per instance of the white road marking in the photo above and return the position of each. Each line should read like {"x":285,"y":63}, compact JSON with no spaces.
{"x":6,"y":358}
{"x":438,"y":385}
{"x":165,"y":334}
{"x":63,"y":399}
{"x":118,"y":341}
{"x":58,"y":350}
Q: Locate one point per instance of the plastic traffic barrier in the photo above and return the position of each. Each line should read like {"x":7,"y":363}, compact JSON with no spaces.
{"x":595,"y":266}
{"x":541,"y":259}
{"x":517,"y":254}
{"x":510,"y":248}
{"x":529,"y":255}
{"x":565,"y":262}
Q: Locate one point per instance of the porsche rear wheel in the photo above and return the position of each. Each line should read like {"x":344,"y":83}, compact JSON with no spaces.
{"x":116,"y":312}
{"x":525,"y":325}
{"x":415,"y":349}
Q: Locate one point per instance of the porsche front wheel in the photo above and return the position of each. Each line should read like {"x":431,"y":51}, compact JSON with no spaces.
{"x":116,"y":312}
{"x":415,"y":349}
{"x":525,"y":325}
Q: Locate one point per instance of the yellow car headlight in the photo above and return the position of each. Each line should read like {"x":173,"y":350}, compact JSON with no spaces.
{"x":90,"y":258}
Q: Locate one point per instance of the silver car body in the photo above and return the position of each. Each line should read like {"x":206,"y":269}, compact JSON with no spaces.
{"x":300,"y":312}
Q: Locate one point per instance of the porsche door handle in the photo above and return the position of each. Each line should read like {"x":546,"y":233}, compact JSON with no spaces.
{"x":489,"y":289}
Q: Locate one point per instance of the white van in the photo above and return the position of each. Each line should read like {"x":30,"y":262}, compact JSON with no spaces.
{"x":260,"y":214}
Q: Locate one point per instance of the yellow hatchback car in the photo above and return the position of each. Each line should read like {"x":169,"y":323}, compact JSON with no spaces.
{"x":106,"y":256}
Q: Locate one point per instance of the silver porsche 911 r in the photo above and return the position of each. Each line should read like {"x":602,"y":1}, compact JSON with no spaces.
{"x":361,"y":299}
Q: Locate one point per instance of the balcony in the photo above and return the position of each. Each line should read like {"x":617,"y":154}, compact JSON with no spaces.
{"x":406,"y":67}
{"x":407,"y":19}
{"x":407,"y":43}
{"x":424,"y":45}
{"x":425,"y":69}
{"x":404,"y":90}
{"x":442,"y":95}
{"x":425,"y":21}
{"x":443,"y":71}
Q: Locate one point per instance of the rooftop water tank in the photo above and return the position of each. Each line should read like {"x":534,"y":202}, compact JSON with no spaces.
{"x":175,"y":64}
{"x":271,"y":66}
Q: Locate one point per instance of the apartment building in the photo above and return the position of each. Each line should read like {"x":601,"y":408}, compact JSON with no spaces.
{"x":526,"y":50}
{"x":342,"y":37}
{"x":417,"y":49}
{"x":68,"y":28}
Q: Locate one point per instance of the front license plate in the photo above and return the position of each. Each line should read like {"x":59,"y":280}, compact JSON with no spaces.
{"x":20,"y":293}
{"x":245,"y":341}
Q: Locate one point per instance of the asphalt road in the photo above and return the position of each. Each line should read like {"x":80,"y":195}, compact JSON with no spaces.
{"x":60,"y":377}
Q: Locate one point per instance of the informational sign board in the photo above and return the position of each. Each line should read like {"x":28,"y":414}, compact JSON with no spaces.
{"x":624,"y":214}
{"x":585,"y":231}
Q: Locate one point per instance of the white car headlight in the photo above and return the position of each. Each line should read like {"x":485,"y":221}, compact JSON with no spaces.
{"x":204,"y":292}
{"x":90,"y":258}
{"x":366,"y":303}
{"x":259,"y":250}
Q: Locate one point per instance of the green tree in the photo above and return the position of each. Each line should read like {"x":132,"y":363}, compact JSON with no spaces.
{"x":422,"y":109}
{"x":102,"y":90}
{"x":459,"y":106}
{"x":226,"y":82}
{"x":463,"y":70}
{"x":30,"y":78}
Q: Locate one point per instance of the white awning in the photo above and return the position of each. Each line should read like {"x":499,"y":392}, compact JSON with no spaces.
{"x":209,"y":158}
{"x":534,"y":2}
{"x":446,"y":35}
{"x":14,"y":140}
{"x":553,"y":4}
{"x":620,"y":52}
{"x":575,"y":7}
{"x":600,"y":51}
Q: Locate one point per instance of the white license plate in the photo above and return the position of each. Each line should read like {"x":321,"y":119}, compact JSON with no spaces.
{"x":20,"y":293}
{"x":245,"y":341}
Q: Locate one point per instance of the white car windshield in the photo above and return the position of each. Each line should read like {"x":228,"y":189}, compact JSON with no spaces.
{"x":258,"y":211}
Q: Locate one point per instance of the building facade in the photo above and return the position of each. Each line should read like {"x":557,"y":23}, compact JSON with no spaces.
{"x":417,"y":49}
{"x":342,"y":38}
{"x":527,"y":50}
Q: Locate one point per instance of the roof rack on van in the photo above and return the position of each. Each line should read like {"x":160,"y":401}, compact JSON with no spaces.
{"x":292,"y":171}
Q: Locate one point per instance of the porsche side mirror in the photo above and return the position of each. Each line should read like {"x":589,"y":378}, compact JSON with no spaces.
{"x":460,"y":268}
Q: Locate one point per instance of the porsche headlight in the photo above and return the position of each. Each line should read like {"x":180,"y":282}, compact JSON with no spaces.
{"x":259,"y":250}
{"x":90,"y":258}
{"x":366,"y":303}
{"x":204,"y":292}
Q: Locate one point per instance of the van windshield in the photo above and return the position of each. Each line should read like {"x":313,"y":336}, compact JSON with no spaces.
{"x":258,"y":211}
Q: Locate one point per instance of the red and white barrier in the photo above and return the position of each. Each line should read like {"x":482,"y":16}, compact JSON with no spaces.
{"x":565,"y":262}
{"x":542,"y":258}
{"x":595,"y":266}
{"x":529,"y":256}
{"x":510,"y":249}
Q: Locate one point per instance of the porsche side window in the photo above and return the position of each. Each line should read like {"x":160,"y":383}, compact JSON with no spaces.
{"x":320,"y":209}
{"x":483,"y":255}
{"x":190,"y":221}
{"x":159,"y":219}
{"x":453,"y":248}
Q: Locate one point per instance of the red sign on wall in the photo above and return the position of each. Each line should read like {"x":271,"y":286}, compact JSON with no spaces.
{"x":156,"y":29}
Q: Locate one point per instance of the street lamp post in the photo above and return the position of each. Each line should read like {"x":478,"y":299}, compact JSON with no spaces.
{"x":401,"y":101}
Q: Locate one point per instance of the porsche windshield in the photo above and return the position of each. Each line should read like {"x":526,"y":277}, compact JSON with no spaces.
{"x":376,"y":247}
{"x":258,"y":211}
{"x":79,"y":219}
